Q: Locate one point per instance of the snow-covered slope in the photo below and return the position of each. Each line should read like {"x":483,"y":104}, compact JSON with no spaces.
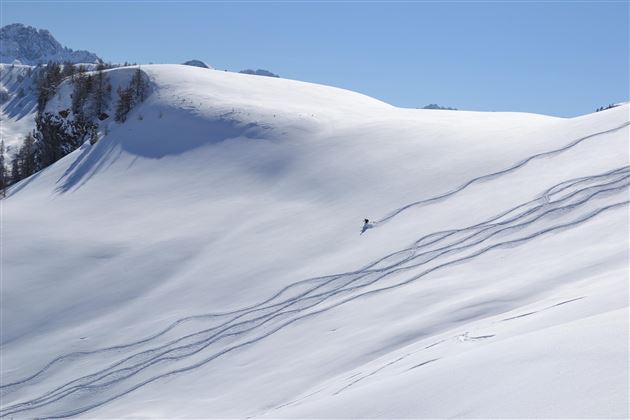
{"x":17,"y":111}
{"x":204,"y":259}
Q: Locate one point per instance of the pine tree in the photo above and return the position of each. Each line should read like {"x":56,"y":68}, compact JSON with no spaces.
{"x":47,"y":83}
{"x":51,"y":135}
{"x":83,"y":85}
{"x":24,"y":162}
{"x":78,"y":94}
{"x":27,"y":156}
{"x":15,"y":169}
{"x":139,"y":86}
{"x":42,"y":91}
{"x":125,"y":102}
{"x":102,"y":93}
{"x":68,"y":69}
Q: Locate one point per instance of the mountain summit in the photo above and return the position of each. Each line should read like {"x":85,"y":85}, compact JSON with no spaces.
{"x":31,"y":46}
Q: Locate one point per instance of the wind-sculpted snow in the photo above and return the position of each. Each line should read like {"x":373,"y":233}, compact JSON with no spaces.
{"x":121,"y":369}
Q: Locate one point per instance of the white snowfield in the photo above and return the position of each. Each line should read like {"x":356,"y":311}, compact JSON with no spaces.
{"x":204,"y":259}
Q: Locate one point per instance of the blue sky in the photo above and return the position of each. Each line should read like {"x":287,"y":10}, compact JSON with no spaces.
{"x":561,"y":58}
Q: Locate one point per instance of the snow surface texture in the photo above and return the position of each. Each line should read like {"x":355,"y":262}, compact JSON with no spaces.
{"x":206,"y":260}
{"x":27,"y":45}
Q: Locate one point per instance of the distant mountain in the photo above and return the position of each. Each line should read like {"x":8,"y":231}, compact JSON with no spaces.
{"x":259,"y":72}
{"x":28,"y":45}
{"x":436,"y":106}
{"x":197,"y":63}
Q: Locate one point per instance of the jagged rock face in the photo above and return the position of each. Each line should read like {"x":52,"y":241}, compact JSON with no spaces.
{"x":31,"y":46}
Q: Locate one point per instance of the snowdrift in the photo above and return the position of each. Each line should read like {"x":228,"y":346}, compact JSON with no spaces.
{"x":203,"y":259}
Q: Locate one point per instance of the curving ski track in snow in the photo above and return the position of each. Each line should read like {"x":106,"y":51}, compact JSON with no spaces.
{"x":613,"y":182}
{"x":256,"y":322}
{"x":441,"y":235}
{"x":501,"y":172}
{"x":328,"y":279}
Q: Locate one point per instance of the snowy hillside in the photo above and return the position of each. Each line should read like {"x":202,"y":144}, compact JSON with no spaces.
{"x":18,"y":110}
{"x":204,"y":259}
{"x":27,"y":45}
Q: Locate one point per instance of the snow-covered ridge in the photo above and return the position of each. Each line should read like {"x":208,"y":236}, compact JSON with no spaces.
{"x":205,"y":256}
{"x":27,"y":45}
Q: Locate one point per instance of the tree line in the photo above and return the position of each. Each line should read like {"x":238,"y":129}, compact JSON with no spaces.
{"x":603,"y":108}
{"x":58,"y":134}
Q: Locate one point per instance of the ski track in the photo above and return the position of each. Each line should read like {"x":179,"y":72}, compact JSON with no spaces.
{"x":61,"y":392}
{"x":501,"y":172}
{"x":334,"y":277}
{"x":279,"y":314}
{"x":64,"y":392}
{"x":374,"y":372}
{"x":465,"y":337}
{"x":543,"y":309}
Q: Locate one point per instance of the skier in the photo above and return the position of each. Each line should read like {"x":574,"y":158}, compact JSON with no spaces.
{"x":366,"y":225}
